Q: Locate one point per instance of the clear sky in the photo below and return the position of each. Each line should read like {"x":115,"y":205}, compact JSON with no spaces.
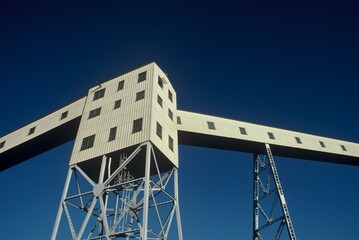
{"x":288,"y":65}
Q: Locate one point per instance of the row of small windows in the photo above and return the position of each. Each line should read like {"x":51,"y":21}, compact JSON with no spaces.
{"x":243,"y":131}
{"x":96,"y":112}
{"x":101,"y":93}
{"x":88,"y":142}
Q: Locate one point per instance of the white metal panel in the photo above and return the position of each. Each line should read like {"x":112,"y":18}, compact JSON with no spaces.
{"x":227,"y":128}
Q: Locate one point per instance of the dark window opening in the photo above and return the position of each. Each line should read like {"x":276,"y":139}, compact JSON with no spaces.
{"x":242,"y":130}
{"x":31,"y":131}
{"x":141,"y":77}
{"x":94,"y":113}
{"x":117,"y":104}
{"x":179,"y":121}
{"x":298,"y":140}
{"x":343,"y":147}
{"x":160,"y":82}
{"x":140,"y":95}
{"x":170,"y":96}
{"x":170,"y":114}
{"x":121,"y":85}
{"x":112,"y":135}
{"x":99,"y":94}
{"x":159,"y":130}
{"x":87,"y":142}
{"x":64,"y":115}
{"x":322,"y":144}
{"x":271,"y":135}
{"x":159,"y":100}
{"x":2,"y":144}
{"x":211,"y":125}
{"x":170,"y":143}
{"x":137,"y":125}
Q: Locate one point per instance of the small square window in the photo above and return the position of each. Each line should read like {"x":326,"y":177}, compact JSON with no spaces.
{"x":322,"y":144}
{"x":141,"y":77}
{"x":64,"y":115}
{"x":87,"y":142}
{"x":137,"y":125}
{"x":121,"y":85}
{"x":159,"y":100}
{"x":112,"y":135}
{"x":271,"y":135}
{"x":99,"y":94}
{"x":170,"y":143}
{"x":31,"y":131}
{"x":140,"y":95}
{"x":159,"y":130}
{"x":2,"y":144}
{"x":343,"y":148}
{"x":170,"y":114}
{"x":117,"y":104}
{"x":160,"y":82}
{"x":211,"y":125}
{"x":298,"y":140}
{"x":242,"y":130}
{"x":94,"y":113}
{"x":170,"y":96}
{"x":179,"y":121}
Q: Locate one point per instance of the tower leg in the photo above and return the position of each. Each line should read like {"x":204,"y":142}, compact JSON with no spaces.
{"x":267,"y":193}
{"x":117,"y":205}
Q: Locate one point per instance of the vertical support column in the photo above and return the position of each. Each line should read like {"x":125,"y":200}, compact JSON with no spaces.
{"x":59,"y":212}
{"x":146,"y":192}
{"x":255,"y":197}
{"x":179,"y":225}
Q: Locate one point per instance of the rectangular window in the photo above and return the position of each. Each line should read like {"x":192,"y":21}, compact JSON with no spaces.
{"x":271,"y":135}
{"x":170,"y":114}
{"x":64,"y":115}
{"x":159,"y":100}
{"x":170,"y":143}
{"x":112,"y":135}
{"x":159,"y":130}
{"x":87,"y":142}
{"x":117,"y":104}
{"x":179,"y":120}
{"x":343,"y":148}
{"x":211,"y":125}
{"x":170,"y":96}
{"x":322,"y":144}
{"x":99,"y":94}
{"x":298,"y":140}
{"x":31,"y":131}
{"x":242,"y":130}
{"x":94,"y":113}
{"x":141,"y":77}
{"x":140,"y":95}
{"x":137,"y":125}
{"x":160,"y":81}
{"x":2,"y":144}
{"x":121,"y":85}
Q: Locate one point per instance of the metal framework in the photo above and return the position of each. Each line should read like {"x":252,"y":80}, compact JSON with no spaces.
{"x":274,"y":216}
{"x":119,"y":206}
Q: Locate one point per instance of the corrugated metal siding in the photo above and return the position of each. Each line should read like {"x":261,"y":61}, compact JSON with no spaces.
{"x":227,"y":128}
{"x":43,"y":125}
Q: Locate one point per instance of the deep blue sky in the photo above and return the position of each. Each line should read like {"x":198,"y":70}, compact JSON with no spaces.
{"x":289,"y":65}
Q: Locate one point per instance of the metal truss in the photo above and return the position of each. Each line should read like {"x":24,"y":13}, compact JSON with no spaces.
{"x":119,"y":206}
{"x":271,"y":214}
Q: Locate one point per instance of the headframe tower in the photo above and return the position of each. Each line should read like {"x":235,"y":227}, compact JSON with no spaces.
{"x":122,"y":181}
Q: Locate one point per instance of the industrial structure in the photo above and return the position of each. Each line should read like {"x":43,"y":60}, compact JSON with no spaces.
{"x":122,"y":180}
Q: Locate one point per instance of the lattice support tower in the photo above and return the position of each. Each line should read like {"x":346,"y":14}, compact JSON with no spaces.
{"x":118,"y":205}
{"x":271,"y":213}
